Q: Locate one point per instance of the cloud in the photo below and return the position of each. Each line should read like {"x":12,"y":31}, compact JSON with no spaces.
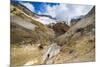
{"x":28,"y":5}
{"x":62,"y":12}
{"x":66,"y":12}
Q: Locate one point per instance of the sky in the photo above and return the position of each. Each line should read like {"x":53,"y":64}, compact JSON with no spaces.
{"x":60,"y":11}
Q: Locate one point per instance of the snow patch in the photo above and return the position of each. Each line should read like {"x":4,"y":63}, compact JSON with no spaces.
{"x":51,"y":51}
{"x":47,"y":20}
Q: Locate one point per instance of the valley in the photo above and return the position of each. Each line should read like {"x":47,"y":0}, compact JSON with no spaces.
{"x":35,"y":43}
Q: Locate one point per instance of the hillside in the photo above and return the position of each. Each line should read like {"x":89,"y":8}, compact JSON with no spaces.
{"x":34,"y":42}
{"x":86,"y":24}
{"x":24,"y":26}
{"x":79,"y":41}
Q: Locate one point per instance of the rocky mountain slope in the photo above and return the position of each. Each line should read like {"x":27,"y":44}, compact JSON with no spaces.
{"x":86,"y":25}
{"x":78,"y":43}
{"x":33,"y":42}
{"x":26,"y":27}
{"x":59,"y":28}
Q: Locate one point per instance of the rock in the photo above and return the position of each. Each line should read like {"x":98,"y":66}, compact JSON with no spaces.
{"x":50,"y":52}
{"x":31,"y":62}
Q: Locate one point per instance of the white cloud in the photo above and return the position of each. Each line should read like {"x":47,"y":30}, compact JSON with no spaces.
{"x":66,"y":12}
{"x":47,"y":20}
{"x":28,"y":5}
{"x":62,"y":12}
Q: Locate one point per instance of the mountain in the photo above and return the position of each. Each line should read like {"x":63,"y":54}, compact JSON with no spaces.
{"x":34,"y":41}
{"x":45,"y":19}
{"x":79,"y":40}
{"x":76,"y":19}
{"x":60,"y":28}
{"x":26,"y":27}
{"x":87,"y":21}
